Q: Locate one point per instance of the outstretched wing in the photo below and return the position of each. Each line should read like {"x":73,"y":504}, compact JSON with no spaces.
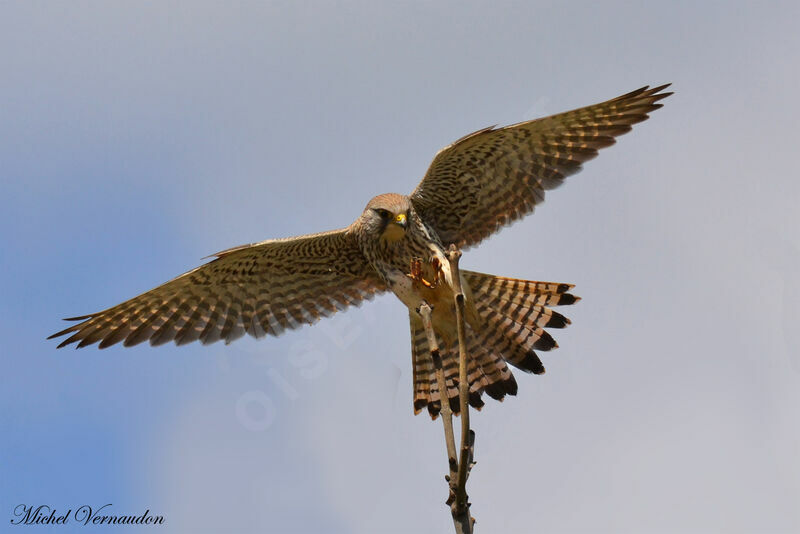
{"x":493,"y":177}
{"x":257,"y":289}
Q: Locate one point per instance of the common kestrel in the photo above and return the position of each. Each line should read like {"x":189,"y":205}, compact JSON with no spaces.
{"x":473,"y":187}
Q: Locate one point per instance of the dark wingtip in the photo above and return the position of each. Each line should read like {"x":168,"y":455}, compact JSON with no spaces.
{"x":85,"y":342}
{"x":655,"y":94}
{"x":646,"y":92}
{"x":634,"y":93}
{"x":63,"y":333}
{"x":68,"y":330}
{"x":79,"y":318}
{"x":660,"y":88}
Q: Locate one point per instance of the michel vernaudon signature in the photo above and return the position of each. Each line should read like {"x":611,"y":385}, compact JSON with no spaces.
{"x":84,"y":515}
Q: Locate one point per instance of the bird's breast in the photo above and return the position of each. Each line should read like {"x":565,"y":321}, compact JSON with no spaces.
{"x":431,"y":282}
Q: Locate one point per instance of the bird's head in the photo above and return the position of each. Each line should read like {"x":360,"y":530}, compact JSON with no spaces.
{"x":387,"y":217}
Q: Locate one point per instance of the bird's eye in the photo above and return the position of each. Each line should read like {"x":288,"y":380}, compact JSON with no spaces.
{"x":384,"y":214}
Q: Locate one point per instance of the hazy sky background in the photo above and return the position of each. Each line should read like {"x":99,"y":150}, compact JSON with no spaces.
{"x":137,"y":138}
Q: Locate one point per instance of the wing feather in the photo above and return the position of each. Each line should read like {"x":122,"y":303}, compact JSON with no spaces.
{"x":495,"y":176}
{"x":258,"y":289}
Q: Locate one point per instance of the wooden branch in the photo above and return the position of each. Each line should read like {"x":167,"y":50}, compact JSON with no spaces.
{"x":445,"y":411}
{"x":459,"y":462}
{"x":460,"y":506}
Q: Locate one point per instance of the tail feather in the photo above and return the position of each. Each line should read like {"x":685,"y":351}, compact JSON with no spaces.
{"x":502,"y":338}
{"x":514,"y":314}
{"x":421,"y":364}
{"x":486,"y":371}
{"x":499,"y":286}
{"x":540,"y":316}
{"x":527,"y":336}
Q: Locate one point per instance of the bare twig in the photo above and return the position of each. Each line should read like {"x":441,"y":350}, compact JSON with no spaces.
{"x":459,"y":462}
{"x":445,"y":411}
{"x":460,"y":507}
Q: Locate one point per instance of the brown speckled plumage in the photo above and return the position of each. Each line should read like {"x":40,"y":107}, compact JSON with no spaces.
{"x":258,"y":289}
{"x":473,"y":187}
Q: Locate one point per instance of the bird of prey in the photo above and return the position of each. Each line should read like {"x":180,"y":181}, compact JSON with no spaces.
{"x":475,"y":186}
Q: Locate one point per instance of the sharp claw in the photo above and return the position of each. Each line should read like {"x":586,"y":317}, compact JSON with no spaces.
{"x":417,"y":276}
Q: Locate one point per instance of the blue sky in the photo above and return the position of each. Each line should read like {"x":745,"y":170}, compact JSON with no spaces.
{"x":137,"y":139}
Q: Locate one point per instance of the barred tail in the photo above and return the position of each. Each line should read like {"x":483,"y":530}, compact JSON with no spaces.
{"x":514,"y":314}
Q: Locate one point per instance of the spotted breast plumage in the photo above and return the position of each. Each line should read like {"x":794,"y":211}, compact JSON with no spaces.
{"x":478,"y":184}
